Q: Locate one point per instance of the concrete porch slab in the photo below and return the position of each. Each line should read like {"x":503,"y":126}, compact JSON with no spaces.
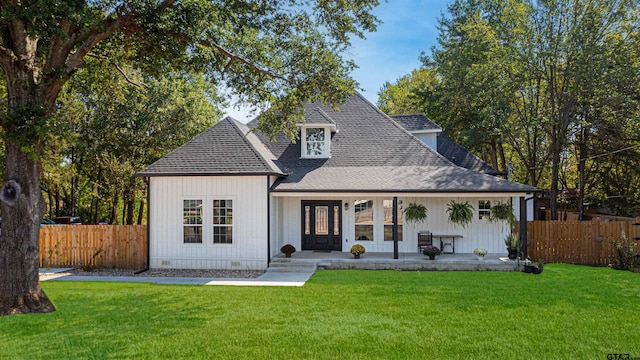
{"x":405,"y":261}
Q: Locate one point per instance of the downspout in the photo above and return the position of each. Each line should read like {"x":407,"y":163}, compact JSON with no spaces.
{"x":268,"y":222}
{"x":148,"y":182}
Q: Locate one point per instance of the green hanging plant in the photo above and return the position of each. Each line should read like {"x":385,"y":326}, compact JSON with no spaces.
{"x":460,"y":213}
{"x":502,"y":211}
{"x":415,"y":212}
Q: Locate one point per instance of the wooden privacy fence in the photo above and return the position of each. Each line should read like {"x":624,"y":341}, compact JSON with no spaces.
{"x":97,"y":246}
{"x":579,"y":242}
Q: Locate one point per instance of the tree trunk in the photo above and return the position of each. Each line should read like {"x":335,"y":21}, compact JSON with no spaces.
{"x":20,"y":290}
{"x":114,"y":207}
{"x":130,"y":207}
{"x":582,"y":158}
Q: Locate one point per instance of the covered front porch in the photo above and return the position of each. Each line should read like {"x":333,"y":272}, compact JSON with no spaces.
{"x":413,"y":261}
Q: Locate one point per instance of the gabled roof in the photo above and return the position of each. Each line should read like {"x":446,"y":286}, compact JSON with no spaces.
{"x":371,"y":153}
{"x":226,"y":148}
{"x":317,"y":116}
{"x":448,"y":148}
{"x":374,"y":153}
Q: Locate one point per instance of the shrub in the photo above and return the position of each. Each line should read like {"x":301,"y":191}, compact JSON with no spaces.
{"x":625,"y":252}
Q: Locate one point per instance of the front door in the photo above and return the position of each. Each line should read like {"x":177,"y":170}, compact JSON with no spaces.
{"x":321,"y":225}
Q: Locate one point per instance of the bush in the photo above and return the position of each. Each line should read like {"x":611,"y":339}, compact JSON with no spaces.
{"x":625,"y":253}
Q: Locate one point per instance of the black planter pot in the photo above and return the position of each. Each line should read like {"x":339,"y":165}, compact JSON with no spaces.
{"x":513,"y":253}
{"x":537,"y":271}
{"x":528,"y":269}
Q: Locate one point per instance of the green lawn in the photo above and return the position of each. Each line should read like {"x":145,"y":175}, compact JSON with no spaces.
{"x":567,"y":312}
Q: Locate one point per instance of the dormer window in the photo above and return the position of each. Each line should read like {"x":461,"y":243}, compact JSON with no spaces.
{"x":316,"y":142}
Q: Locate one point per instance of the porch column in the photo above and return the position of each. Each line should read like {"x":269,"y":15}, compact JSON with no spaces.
{"x":523,"y":226}
{"x":395,"y":227}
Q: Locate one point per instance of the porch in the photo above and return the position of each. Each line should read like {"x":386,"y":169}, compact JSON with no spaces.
{"x":336,"y":260}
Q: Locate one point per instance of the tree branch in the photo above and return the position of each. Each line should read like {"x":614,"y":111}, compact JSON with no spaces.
{"x":232,"y":57}
{"x":120,"y":70}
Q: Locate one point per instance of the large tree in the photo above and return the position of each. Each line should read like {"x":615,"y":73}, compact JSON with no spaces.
{"x":269,"y":52}
{"x":550,"y":84}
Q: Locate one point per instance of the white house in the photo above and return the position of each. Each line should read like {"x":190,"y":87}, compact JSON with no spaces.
{"x":230,"y":198}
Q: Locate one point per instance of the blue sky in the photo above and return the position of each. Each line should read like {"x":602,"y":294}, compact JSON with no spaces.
{"x":408,"y":28}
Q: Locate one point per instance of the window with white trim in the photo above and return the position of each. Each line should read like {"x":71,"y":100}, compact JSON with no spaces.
{"x":484,"y":209}
{"x":388,"y":220}
{"x":223,"y":221}
{"x":363,"y":220}
{"x":315,"y":142}
{"x":192,"y":221}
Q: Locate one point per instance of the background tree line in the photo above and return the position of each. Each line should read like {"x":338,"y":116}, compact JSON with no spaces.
{"x":114,"y":120}
{"x":551,"y":86}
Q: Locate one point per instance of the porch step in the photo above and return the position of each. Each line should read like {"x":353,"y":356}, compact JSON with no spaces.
{"x":292,"y":267}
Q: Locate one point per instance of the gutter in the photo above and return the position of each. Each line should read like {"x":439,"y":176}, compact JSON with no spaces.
{"x":148,"y":182}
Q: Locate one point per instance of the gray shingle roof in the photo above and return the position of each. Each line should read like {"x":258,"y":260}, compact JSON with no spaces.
{"x":448,"y":148}
{"x":416,"y":122}
{"x":463,"y":157}
{"x":373,"y":153}
{"x":317,"y":116}
{"x":223,"y":149}
{"x":425,"y":179}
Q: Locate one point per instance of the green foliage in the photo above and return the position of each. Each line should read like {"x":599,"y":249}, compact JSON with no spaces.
{"x":460,"y":213}
{"x":512,"y":241}
{"x":415,"y":212}
{"x":502,"y":211}
{"x":540,"y":84}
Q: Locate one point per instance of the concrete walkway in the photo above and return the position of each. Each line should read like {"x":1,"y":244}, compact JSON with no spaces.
{"x":269,"y":278}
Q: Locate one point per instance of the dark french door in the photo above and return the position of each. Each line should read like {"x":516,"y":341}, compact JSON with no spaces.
{"x":321,"y":225}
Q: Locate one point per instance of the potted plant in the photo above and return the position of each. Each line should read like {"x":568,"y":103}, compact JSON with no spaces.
{"x":356,"y":250}
{"x":537,"y":267}
{"x":512,"y":241}
{"x":431,"y":251}
{"x":415,"y":212}
{"x":460,"y":213}
{"x":288,"y":250}
{"x":480,"y":253}
{"x":528,"y":266}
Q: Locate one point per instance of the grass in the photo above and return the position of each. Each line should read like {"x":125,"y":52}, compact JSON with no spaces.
{"x":567,"y":312}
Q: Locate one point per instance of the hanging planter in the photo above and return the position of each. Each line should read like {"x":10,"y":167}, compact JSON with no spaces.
{"x":460,"y":213}
{"x":415,"y":213}
{"x":502,"y":211}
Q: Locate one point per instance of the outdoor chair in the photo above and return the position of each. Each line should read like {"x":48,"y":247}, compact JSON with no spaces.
{"x":425,"y":238}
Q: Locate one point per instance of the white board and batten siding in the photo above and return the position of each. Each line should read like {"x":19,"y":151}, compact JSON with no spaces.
{"x":287,"y":227}
{"x":249,"y":247}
